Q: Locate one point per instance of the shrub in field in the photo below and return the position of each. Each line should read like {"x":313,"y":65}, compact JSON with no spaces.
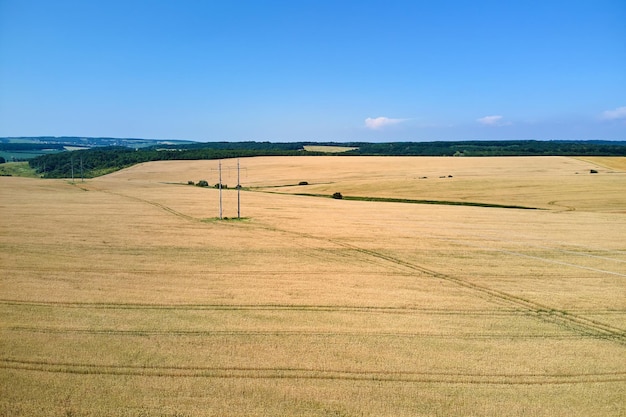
{"x":202,"y":183}
{"x":337,"y":196}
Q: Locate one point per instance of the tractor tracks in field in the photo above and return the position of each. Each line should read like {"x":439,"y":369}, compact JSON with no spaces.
{"x":555,"y":203}
{"x":567,"y":319}
{"x":574,"y":322}
{"x":283,"y":334}
{"x":303,"y":373}
{"x":334,"y":308}
{"x":265,"y":307}
{"x":541,"y":258}
{"x":145,"y":201}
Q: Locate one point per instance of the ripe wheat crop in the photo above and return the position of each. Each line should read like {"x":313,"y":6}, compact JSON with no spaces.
{"x":126,"y":295}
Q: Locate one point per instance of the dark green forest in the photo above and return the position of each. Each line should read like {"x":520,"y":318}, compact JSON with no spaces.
{"x":102,"y":160}
{"x":494,"y":148}
{"x":99,"y":161}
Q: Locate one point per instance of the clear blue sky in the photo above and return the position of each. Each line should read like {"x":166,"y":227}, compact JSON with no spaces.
{"x":321,"y":70}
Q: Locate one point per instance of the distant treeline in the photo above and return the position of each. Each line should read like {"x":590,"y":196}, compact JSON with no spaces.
{"x":29,"y":146}
{"x":494,"y":148}
{"x":98,"y":161}
{"x":85,"y":142}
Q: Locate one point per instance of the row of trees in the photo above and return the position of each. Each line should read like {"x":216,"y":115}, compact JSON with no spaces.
{"x":494,"y":148}
{"x":100,"y":161}
{"x":29,"y":146}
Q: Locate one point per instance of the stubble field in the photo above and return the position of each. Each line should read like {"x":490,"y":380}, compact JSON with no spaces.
{"x":124,"y":295}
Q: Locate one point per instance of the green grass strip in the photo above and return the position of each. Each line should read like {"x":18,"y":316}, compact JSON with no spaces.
{"x":412,"y":201}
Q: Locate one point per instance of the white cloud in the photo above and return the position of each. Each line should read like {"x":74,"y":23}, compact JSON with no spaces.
{"x":618,"y":113}
{"x":495,"y":120}
{"x":380,"y":122}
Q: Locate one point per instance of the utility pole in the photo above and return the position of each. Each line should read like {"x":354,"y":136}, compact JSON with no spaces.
{"x":72,"y":159}
{"x":82,"y":177}
{"x":220,"y":186}
{"x":238,"y":193}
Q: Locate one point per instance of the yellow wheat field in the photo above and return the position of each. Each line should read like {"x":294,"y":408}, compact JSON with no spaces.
{"x":124,"y":295}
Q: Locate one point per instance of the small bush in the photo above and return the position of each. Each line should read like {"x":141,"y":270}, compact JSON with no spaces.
{"x":218,"y":186}
{"x":303,"y":183}
{"x":202,"y":183}
{"x":190,"y":182}
{"x":337,"y":196}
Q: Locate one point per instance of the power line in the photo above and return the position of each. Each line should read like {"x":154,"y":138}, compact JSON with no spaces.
{"x":219,"y":185}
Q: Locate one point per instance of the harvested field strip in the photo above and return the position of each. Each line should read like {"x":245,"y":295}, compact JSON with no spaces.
{"x":248,"y":333}
{"x":311,"y":373}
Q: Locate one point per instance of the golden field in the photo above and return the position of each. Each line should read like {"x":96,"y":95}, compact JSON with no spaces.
{"x":124,"y":295}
